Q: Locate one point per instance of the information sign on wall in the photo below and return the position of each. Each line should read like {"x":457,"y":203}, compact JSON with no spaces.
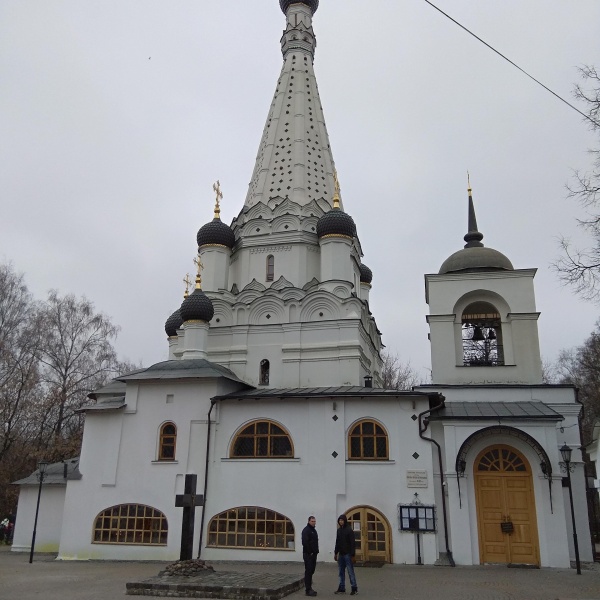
{"x":416,"y":479}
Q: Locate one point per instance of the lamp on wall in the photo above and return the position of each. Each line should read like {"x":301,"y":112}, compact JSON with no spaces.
{"x":566,"y":465}
{"x":462,"y":465}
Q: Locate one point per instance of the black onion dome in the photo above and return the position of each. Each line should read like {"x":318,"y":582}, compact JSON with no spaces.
{"x":174,"y":322}
{"x":285,"y":4}
{"x":216,"y":232}
{"x":469,"y":260}
{"x":197,"y":307}
{"x":336,"y":222}
{"x":366,"y":275}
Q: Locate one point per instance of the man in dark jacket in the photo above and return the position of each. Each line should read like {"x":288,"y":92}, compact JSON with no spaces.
{"x":310,"y":549}
{"x":345,"y":549}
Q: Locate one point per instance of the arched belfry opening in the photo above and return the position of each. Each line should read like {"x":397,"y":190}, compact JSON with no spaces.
{"x":482,"y":335}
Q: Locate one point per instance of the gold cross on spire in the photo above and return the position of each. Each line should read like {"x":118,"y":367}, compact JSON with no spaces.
{"x":188,"y":283}
{"x":469,"y":183}
{"x":199,"y":267}
{"x":336,"y":193}
{"x":217,"y":190}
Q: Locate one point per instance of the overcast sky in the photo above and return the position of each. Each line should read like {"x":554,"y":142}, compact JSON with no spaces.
{"x":116,"y":117}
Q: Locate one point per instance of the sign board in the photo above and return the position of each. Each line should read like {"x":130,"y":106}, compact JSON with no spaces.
{"x":416,"y":479}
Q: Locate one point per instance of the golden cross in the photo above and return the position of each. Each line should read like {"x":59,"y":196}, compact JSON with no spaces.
{"x":336,"y":181}
{"x":336,"y":193}
{"x":187,"y":282}
{"x":199,"y":266}
{"x":217,"y":189}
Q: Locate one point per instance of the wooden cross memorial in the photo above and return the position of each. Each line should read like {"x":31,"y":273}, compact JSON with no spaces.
{"x":188,"y":501}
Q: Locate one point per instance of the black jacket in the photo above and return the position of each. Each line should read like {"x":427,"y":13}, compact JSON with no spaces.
{"x":310,"y":540}
{"x":345,"y":543}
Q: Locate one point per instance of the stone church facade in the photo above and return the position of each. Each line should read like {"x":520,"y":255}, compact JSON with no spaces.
{"x":272,"y":394}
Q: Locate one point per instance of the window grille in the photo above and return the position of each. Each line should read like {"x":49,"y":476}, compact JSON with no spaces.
{"x":134,"y":524}
{"x":368,"y":441}
{"x":262,"y":439}
{"x":251,"y":527}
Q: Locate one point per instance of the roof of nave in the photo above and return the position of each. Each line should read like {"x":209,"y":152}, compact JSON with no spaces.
{"x":191,"y":368}
{"x":324,"y":393}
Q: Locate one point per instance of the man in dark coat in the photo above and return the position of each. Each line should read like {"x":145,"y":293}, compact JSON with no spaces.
{"x":310,"y":549}
{"x":345,"y":550}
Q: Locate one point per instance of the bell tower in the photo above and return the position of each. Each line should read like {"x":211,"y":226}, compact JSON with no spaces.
{"x":482,"y":317}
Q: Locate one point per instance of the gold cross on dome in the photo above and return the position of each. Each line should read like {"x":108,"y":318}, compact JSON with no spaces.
{"x":217,"y":190}
{"x":336,"y":181}
{"x":188,"y":283}
{"x":199,"y":266}
{"x":336,"y":193}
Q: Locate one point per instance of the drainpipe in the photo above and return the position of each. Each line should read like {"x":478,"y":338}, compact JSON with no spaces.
{"x":423,"y":424}
{"x":213,"y":401}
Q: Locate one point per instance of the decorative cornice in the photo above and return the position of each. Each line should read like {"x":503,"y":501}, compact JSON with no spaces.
{"x":264,"y":249}
{"x":213,"y":246}
{"x":336,"y":235}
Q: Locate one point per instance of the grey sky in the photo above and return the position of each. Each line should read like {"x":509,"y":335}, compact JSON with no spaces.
{"x":116,"y":117}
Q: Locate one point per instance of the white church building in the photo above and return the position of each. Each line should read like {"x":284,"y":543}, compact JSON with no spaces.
{"x":272,"y":394}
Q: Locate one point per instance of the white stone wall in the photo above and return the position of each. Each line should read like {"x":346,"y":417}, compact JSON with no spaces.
{"x":50,"y":518}
{"x":119,"y":464}
{"x":314,"y":482}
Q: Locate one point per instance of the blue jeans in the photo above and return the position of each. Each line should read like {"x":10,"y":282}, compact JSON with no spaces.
{"x":345,"y":562}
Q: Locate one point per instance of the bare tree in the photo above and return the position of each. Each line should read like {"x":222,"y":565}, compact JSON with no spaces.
{"x":581,"y":367}
{"x":578,"y":267}
{"x":397,"y":375}
{"x":19,"y":382}
{"x":76,"y":356}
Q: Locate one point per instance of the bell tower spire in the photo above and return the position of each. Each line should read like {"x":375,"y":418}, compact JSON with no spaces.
{"x":473,"y":237}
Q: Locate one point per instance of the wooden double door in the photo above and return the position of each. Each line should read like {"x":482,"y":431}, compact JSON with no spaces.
{"x":505,"y":507}
{"x":372,"y":534}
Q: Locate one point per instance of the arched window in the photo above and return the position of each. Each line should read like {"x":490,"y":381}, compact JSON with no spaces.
{"x":168,"y":441}
{"x":270,"y":267}
{"x":262,"y":439}
{"x":368,"y":440}
{"x":251,"y":527}
{"x":482,"y":336}
{"x":265,"y":368}
{"x":135,"y":524}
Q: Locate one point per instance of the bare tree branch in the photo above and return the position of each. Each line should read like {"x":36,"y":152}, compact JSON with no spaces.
{"x":580,"y":268}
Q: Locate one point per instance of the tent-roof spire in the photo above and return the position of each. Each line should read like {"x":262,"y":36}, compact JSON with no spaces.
{"x":473,"y":236}
{"x":294,"y":158}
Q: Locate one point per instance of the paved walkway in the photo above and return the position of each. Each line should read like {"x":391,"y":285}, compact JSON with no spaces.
{"x":48,"y":579}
